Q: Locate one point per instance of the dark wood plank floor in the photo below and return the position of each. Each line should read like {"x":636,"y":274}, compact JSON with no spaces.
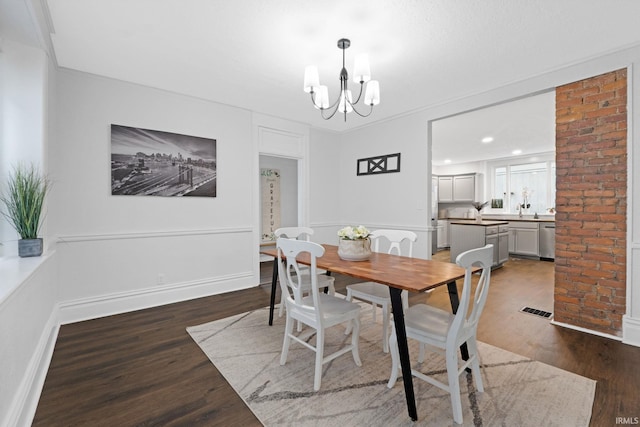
{"x":143,"y":369}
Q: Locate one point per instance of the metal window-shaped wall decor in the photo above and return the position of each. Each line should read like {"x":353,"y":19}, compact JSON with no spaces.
{"x":379,"y":164}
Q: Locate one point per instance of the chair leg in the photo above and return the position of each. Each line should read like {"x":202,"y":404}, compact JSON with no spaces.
{"x":288,"y":329}
{"x":395,"y":358}
{"x":319,"y":356}
{"x":281,"y":309}
{"x":475,"y":364}
{"x":347,"y":330}
{"x":385,"y":327}
{"x":454,"y":386}
{"x":423,"y":346}
{"x":355,"y":341}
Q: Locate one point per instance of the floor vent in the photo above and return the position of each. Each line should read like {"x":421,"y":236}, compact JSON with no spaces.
{"x":536,"y":312}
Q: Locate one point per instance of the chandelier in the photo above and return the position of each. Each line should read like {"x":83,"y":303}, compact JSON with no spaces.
{"x":344,"y":103}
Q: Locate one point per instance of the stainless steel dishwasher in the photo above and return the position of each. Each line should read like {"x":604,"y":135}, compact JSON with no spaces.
{"x":547,"y":240}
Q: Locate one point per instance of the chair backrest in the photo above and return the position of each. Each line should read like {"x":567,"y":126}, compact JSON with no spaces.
{"x":289,"y":271}
{"x":465,"y":323}
{"x":395,"y":237}
{"x":298,"y":233}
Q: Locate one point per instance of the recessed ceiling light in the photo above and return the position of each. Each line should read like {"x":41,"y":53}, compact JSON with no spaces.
{"x":487,"y":139}
{"x":516,"y":152}
{"x":447,"y":160}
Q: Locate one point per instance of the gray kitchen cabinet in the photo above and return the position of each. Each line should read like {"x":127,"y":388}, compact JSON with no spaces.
{"x":459,"y":188}
{"x":470,"y":235}
{"x":464,"y":188}
{"x":443,"y":233}
{"x":445,"y":189}
{"x":524,"y":238}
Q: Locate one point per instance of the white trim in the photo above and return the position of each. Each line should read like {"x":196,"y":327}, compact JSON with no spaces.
{"x":630,"y":330}
{"x":25,"y":401}
{"x":631,"y":320}
{"x":121,"y":302}
{"x":417,"y":228}
{"x":587,"y":331}
{"x":150,"y":234}
{"x":15,"y":271}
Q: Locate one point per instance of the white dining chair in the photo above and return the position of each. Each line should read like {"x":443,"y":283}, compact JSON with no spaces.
{"x":302,"y":233}
{"x":442,"y":330}
{"x":317,"y":310}
{"x":376,"y":293}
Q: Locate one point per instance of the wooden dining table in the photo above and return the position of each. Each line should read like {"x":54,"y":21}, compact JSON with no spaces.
{"x":398,"y":273}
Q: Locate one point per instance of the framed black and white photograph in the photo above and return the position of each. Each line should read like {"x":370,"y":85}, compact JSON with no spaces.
{"x":156,"y":163}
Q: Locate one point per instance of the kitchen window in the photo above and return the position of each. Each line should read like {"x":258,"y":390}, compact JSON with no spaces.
{"x":517,"y":184}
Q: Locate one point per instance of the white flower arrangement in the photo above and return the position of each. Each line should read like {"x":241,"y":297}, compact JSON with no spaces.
{"x":526,"y":195}
{"x":353,"y":233}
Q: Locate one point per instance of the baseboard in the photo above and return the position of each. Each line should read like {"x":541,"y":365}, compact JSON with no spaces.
{"x":122,"y":302}
{"x":25,"y":402}
{"x":585,"y":330}
{"x":631,"y":330}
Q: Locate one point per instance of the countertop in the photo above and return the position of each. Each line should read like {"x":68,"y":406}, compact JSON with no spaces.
{"x":483,"y":223}
{"x":493,"y":219}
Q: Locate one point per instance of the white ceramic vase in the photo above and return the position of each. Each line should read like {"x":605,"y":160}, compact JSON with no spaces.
{"x":354,"y":250}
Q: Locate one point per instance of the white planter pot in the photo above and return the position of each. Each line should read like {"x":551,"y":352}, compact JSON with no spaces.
{"x":354,"y":250}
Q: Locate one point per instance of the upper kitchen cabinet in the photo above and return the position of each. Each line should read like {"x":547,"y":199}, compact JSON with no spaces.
{"x":459,"y":188}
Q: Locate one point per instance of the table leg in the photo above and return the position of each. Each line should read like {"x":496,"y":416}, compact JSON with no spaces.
{"x":274,"y":283}
{"x":326,"y":289}
{"x":455,"y":302}
{"x":403,"y":349}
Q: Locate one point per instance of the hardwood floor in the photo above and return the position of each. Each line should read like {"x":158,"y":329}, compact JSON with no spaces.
{"x":143,"y":369}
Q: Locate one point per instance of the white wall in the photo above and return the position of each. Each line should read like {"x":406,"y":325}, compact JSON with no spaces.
{"x":28,"y":287}
{"x":325,"y":185}
{"x":389,"y":200}
{"x":119,"y":253}
{"x":23,"y":98}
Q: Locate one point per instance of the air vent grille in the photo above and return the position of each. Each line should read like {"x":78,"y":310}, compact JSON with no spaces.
{"x":536,"y":312}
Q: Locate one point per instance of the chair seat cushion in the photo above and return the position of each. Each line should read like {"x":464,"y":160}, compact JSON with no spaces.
{"x":332,"y":305}
{"x":429,"y":322}
{"x":369,"y":290}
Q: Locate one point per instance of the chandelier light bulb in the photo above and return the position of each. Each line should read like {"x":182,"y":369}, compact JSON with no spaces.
{"x":311,"y":79}
{"x":361,"y":71}
{"x":372,"y":95}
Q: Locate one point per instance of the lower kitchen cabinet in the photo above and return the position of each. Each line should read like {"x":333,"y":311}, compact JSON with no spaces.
{"x":465,"y":236}
{"x":524,"y":238}
{"x":443,"y":233}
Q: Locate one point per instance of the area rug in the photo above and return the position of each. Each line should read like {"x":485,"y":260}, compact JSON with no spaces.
{"x":518,"y":391}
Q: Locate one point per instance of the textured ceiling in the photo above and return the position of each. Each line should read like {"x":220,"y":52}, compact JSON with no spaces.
{"x":252,"y":53}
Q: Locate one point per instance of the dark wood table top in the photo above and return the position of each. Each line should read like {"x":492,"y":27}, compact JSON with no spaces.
{"x":411,"y":274}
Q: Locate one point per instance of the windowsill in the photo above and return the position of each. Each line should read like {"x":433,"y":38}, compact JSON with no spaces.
{"x":14,"y":271}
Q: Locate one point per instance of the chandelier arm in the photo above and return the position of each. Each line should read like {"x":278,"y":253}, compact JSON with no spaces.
{"x":334,"y":105}
{"x":333,"y":113}
{"x":359,"y":95}
{"x":360,"y":114}
{"x":313,"y":99}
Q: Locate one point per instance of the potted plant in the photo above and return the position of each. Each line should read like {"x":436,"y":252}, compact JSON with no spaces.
{"x":354,"y":244}
{"x":23,"y":201}
{"x":478,"y":207}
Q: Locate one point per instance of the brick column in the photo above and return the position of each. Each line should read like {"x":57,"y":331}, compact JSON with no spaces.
{"x":591,"y":202}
